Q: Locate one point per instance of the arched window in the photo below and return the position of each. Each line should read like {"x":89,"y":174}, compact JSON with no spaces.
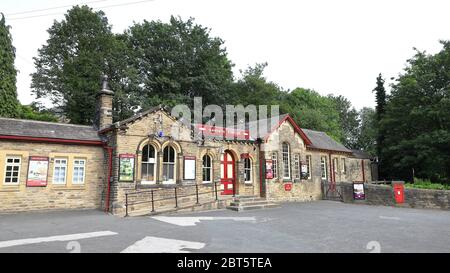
{"x":275,"y":164}
{"x":286,"y":161}
{"x":207,"y":169}
{"x":248,"y":170}
{"x":169,"y":164}
{"x":149,"y":162}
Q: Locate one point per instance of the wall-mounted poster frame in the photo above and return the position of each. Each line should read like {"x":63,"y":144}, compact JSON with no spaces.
{"x":269,"y":169}
{"x":37,"y":171}
{"x":358,"y":190}
{"x":189,"y":164}
{"x":126,"y":167}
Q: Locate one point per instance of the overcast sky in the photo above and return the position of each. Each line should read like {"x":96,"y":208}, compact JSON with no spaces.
{"x":330,"y":46}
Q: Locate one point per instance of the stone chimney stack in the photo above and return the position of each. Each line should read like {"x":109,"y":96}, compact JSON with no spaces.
{"x":104,"y":108}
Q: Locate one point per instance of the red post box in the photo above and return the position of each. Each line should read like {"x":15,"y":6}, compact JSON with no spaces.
{"x":399,"y":193}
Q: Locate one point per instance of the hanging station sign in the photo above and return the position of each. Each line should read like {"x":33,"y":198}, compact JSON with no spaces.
{"x":126,"y":167}
{"x":37,"y":171}
{"x":215,"y":131}
{"x":189,"y":167}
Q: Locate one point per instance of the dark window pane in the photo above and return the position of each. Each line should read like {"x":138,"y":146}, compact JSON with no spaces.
{"x":172,"y":154}
{"x":152,"y":152}
{"x":14,"y":180}
{"x":8,"y":173}
{"x":166,"y":154}
{"x":15,"y":168}
{"x":9,"y":168}
{"x":145,"y":153}
{"x":171,"y":172}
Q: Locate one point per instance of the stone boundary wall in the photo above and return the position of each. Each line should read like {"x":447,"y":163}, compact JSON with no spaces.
{"x":384,"y":195}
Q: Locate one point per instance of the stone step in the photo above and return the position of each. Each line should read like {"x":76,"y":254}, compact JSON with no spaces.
{"x":247,"y":203}
{"x":254,"y":199}
{"x":252,"y":207}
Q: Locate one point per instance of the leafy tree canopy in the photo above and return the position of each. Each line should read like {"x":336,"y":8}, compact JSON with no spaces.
{"x":9,"y":105}
{"x":417,"y":119}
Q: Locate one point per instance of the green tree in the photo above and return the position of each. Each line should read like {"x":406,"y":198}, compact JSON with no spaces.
{"x":417,"y":119}
{"x":380,"y":98}
{"x":178,"y":61}
{"x":367,"y":131}
{"x":348,"y":120}
{"x":9,"y":105}
{"x":253,"y":88}
{"x":81,"y":48}
{"x":35,"y":111}
{"x":312,"y":111}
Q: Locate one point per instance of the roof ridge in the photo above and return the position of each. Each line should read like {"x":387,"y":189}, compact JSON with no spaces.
{"x":47,"y":122}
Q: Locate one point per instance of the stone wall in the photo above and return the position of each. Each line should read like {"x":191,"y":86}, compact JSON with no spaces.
{"x":136,"y":136}
{"x":19,"y":197}
{"x":384,"y":195}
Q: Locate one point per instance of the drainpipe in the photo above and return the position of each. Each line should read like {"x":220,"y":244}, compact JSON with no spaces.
{"x":261,"y":162}
{"x":109,"y":151}
{"x":363,"y":172}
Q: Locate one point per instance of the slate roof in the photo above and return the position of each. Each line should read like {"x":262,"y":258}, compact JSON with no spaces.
{"x":361,"y":154}
{"x":40,"y":129}
{"x":320,"y":140}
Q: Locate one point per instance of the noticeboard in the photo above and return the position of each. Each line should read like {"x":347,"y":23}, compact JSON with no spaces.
{"x":189,"y":168}
{"x":37,"y":171}
{"x":358,"y":191}
{"x":126,"y":167}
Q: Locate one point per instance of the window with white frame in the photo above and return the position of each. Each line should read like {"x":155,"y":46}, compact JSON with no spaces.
{"x":248,"y":170}
{"x":297,"y":166}
{"x":275,"y":164}
{"x":148,"y":165}
{"x":308,"y":166}
{"x":286,"y":161}
{"x":336,"y":165}
{"x":323,"y":167}
{"x":207,"y":169}
{"x":12,"y":170}
{"x":343,"y":165}
{"x":79,"y":170}
{"x":60,"y":171}
{"x":169,"y":163}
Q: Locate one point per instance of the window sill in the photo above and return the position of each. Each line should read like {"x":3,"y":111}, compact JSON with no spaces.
{"x":10,"y":188}
{"x":67,"y":188}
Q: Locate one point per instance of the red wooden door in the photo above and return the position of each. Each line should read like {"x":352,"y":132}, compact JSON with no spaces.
{"x":227,"y":177}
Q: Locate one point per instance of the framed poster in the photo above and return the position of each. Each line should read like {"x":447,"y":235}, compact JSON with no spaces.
{"x":269,"y":169}
{"x":37,"y":171}
{"x":358,"y":191}
{"x":126,"y":167}
{"x":189,"y":168}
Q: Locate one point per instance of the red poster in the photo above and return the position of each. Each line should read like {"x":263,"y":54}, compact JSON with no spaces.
{"x":269,"y":169}
{"x":37,"y":171}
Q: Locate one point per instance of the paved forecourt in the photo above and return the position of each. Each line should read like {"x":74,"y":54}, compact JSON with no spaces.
{"x":322,"y":226}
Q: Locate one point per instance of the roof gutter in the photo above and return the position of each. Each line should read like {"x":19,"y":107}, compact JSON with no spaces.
{"x":53,"y":140}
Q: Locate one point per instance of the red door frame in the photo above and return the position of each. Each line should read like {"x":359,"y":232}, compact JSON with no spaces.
{"x":226,"y":180}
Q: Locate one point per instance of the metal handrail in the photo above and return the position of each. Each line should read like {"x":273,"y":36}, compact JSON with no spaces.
{"x":175,"y":197}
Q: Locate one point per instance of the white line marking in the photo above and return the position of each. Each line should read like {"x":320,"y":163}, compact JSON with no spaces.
{"x":389,"y":218}
{"x":59,"y":238}
{"x":192,"y":221}
{"x":162,"y":245}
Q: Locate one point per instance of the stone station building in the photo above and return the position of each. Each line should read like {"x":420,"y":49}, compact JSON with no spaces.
{"x":47,"y":165}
